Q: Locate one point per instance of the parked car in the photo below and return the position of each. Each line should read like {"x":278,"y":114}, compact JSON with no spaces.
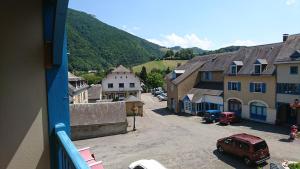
{"x":146,"y":164}
{"x":211,"y":116}
{"x":162,"y":97}
{"x":228,"y":118}
{"x":251,"y":149}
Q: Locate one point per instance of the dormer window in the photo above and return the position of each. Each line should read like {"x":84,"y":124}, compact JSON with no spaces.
{"x":257,"y":69}
{"x":177,"y":73}
{"x":235,"y":67}
{"x":259,"y":66}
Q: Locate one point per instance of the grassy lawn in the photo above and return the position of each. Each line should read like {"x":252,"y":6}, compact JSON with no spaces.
{"x":160,"y":64}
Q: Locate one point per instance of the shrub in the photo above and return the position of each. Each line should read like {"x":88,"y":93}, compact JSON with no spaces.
{"x":294,"y":166}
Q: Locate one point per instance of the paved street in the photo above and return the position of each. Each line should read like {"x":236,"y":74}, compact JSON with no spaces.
{"x":183,"y":142}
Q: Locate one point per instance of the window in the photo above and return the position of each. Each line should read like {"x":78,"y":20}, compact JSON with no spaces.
{"x":258,"y":111}
{"x":294,"y":70}
{"x":228,"y":141}
{"x":187,"y":105}
{"x":234,"y":86}
{"x":132,"y":85}
{"x":258,"y":87}
{"x":288,"y":88}
{"x":121,"y":85}
{"x":207,"y":75}
{"x":257,"y":69}
{"x":110,"y":85}
{"x":233,"y":69}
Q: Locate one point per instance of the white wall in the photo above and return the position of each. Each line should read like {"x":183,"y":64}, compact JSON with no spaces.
{"x":284,"y":76}
{"x":23,"y":112}
{"x":117,"y":78}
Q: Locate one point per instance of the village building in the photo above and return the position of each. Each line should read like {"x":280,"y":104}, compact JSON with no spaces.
{"x":207,"y":94}
{"x":250,"y":83}
{"x":78,"y":89}
{"x":182,"y":80}
{"x":288,"y":81}
{"x":121,"y":83}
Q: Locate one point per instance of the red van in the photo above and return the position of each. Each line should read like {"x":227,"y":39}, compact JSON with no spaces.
{"x":228,"y":118}
{"x":251,"y":149}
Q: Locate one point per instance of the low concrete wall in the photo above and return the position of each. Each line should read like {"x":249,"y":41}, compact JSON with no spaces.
{"x":97,"y":119}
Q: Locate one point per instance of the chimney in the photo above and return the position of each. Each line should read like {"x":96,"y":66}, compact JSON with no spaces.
{"x":285,"y":37}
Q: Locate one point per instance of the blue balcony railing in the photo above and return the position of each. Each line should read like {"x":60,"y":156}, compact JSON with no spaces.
{"x":68,"y":155}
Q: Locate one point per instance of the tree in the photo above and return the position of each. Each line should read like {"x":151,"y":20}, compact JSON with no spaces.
{"x":169,"y":54}
{"x":143,"y":74}
{"x":168,"y":70}
{"x":155,"y":80}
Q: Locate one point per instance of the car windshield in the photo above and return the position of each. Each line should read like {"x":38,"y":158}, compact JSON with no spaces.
{"x":260,"y":146}
{"x":223,"y":115}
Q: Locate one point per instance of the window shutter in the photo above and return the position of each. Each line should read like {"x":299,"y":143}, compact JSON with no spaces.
{"x":264,"y":87}
{"x":229,"y":85}
{"x":239,"y":86}
{"x":251,"y":87}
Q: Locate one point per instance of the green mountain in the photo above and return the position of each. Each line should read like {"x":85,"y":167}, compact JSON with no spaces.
{"x":93,"y":44}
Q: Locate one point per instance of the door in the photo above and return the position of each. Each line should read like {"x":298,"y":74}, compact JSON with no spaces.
{"x":235,"y":106}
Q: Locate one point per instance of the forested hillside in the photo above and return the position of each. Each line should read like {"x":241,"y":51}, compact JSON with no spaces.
{"x":93,"y":44}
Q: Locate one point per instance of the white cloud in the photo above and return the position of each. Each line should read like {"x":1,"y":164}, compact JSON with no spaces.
{"x":130,"y":30}
{"x":290,"y":2}
{"x":188,"y":40}
{"x":242,"y":43}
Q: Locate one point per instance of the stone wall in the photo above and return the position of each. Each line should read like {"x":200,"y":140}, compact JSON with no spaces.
{"x":97,"y":119}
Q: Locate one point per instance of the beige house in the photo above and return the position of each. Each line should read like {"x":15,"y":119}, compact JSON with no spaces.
{"x":182,"y":80}
{"x":288,"y":80}
{"x":250,"y":83}
{"x":78,"y":89}
{"x":207,"y":94}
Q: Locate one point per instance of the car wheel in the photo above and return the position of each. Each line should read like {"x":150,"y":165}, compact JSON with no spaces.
{"x":247,"y":161}
{"x":220,"y":149}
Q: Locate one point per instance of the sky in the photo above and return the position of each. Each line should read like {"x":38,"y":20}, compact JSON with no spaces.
{"x":207,"y":24}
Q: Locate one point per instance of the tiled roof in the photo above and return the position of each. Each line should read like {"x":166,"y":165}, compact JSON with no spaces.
{"x":262,"y":53}
{"x":121,"y":69}
{"x":219,"y":62}
{"x":191,"y":66}
{"x":132,"y":98}
{"x":94,"y":91}
{"x":198,"y":93}
{"x":72,"y":77}
{"x":291,"y":47}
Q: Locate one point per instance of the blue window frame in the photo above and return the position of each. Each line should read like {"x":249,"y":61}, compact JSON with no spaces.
{"x":234,"y":86}
{"x":257,"y":87}
{"x":288,"y":88}
{"x":294,"y":70}
{"x":258,"y":111}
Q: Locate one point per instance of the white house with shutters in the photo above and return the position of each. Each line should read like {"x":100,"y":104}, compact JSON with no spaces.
{"x":121,"y":83}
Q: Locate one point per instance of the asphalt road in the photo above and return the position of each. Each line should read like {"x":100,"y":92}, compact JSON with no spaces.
{"x":183,"y":142}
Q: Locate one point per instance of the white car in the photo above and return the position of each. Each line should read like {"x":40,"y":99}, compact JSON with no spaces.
{"x":146,"y":164}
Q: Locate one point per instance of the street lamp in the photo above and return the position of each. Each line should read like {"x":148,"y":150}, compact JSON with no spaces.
{"x":134,"y":109}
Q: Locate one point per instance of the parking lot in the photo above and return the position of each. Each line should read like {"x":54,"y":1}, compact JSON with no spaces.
{"x":183,"y":142}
